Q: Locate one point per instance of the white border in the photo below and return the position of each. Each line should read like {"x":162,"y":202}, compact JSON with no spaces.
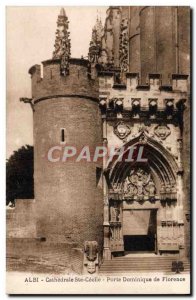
{"x":3,"y":5}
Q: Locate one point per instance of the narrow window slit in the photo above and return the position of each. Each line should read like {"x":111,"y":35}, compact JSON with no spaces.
{"x":62,"y":135}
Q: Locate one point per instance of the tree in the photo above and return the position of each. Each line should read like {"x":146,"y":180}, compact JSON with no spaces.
{"x":19,"y":175}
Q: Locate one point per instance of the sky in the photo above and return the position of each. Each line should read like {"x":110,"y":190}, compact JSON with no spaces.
{"x":30,"y":37}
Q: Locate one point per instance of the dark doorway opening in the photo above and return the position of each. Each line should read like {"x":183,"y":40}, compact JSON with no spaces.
{"x":139,"y":228}
{"x":139,"y":242}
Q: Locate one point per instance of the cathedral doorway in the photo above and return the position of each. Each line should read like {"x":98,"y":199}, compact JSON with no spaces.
{"x":142,"y":202}
{"x":139,"y":230}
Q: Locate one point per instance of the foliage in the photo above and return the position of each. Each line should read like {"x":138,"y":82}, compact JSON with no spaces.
{"x":19,"y":175}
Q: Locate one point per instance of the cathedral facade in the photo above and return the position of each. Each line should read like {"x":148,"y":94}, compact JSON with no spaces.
{"x":133,"y":92}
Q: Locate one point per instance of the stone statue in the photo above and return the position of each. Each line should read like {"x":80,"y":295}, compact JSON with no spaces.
{"x":115,"y":213}
{"x":90,"y":257}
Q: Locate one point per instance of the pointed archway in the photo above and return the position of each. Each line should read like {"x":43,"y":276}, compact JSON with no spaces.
{"x":160,"y":164}
{"x":142,"y":196}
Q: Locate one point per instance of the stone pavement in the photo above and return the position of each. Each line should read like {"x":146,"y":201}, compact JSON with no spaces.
{"x":32,"y":255}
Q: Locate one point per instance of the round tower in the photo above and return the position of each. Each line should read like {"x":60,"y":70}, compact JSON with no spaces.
{"x":66,"y":113}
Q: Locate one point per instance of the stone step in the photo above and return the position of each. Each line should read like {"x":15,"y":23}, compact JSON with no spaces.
{"x":120,"y":273}
{"x":145,"y":257}
{"x":141,"y":264}
{"x":145,"y":260}
{"x":139,"y":267}
{"x":142,"y":261}
{"x":109,"y":272}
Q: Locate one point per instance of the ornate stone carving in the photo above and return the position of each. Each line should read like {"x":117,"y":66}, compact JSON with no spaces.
{"x":162,"y":131}
{"x":135,"y":102}
{"x":143,"y":128}
{"x":90,"y":257}
{"x":123,"y":49}
{"x":95,"y":44}
{"x":168,"y":192}
{"x":180,"y":144}
{"x":139,"y":185}
{"x":122,"y":130}
{"x":152,"y":107}
{"x":114,"y":213}
{"x":143,"y":138}
{"x":62,"y":42}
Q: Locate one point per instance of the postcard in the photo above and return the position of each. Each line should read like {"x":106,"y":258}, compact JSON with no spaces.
{"x":98,"y":150}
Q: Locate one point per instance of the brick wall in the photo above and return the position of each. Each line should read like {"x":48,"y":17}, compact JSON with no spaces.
{"x":76,"y":83}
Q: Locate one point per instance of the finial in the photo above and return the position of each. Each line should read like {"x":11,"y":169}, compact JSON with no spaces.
{"x":97,"y":16}
{"x":62,"y":42}
{"x":62,"y":12}
{"x":95,"y":44}
{"x":98,"y":19}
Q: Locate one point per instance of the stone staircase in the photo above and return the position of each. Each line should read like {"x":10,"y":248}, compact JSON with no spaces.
{"x":126,"y":265}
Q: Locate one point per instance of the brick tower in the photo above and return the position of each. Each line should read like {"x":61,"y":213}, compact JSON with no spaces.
{"x":66,"y":112}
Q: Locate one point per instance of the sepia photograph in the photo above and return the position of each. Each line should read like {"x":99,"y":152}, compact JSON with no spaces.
{"x":98,"y":126}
